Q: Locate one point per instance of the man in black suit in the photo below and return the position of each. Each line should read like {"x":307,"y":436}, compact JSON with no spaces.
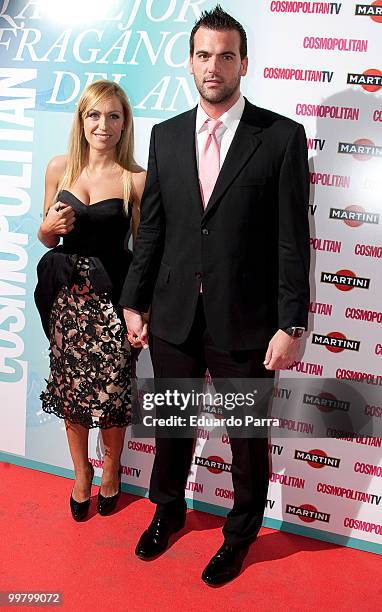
{"x":222,"y":257}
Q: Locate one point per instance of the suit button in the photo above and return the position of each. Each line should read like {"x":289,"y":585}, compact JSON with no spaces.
{"x":205,"y":231}
{"x":198,"y":275}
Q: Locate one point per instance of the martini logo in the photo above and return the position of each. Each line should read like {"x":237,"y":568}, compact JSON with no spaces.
{"x":354,"y":215}
{"x":308,"y":513}
{"x":370,"y":80}
{"x":317,"y":458}
{"x":214,"y":464}
{"x":336,"y":342}
{"x":373,"y":10}
{"x":215,"y":410}
{"x":325,"y":402}
{"x":345,"y":280}
{"x":362,"y":149}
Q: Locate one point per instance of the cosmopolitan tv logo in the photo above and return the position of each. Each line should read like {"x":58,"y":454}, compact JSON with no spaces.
{"x":362,"y":149}
{"x":298,"y":74}
{"x":325,"y":402}
{"x":214,"y":464}
{"x":18,"y":95}
{"x":317,"y":458}
{"x":317,"y":144}
{"x":328,"y":111}
{"x":335,"y":44}
{"x":370,"y":80}
{"x":312,"y":209}
{"x":368,"y":250}
{"x":321,"y":308}
{"x":354,"y":215}
{"x":373,"y":10}
{"x":362,"y":314}
{"x":336,"y":342}
{"x":307,"y":8}
{"x":322,"y":244}
{"x":329,"y":180}
{"x":308,"y":513}
{"x":345,"y":280}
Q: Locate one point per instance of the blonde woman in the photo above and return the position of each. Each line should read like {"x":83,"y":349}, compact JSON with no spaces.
{"x":92,"y":198}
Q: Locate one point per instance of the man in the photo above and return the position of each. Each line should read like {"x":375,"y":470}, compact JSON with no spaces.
{"x":222,"y":257}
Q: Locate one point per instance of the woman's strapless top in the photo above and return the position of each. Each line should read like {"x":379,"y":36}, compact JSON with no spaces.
{"x":99,"y":228}
{"x":100,"y":233}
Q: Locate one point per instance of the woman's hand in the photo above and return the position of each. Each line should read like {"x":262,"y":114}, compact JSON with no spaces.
{"x":59,"y":220}
{"x":137,"y":328}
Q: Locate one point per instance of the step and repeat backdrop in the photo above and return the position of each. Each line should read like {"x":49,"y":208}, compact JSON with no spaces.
{"x":319,"y":63}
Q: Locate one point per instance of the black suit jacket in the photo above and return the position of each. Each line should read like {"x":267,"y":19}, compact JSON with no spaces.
{"x":249,"y":247}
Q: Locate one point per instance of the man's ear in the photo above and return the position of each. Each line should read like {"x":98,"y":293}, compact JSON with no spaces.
{"x":244,"y":66}
{"x":190,"y":65}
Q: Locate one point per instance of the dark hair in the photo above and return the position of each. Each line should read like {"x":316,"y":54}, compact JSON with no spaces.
{"x":217,"y":19}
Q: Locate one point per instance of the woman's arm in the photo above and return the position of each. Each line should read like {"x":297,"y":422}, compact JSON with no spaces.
{"x":139,"y":180}
{"x":58,"y":218}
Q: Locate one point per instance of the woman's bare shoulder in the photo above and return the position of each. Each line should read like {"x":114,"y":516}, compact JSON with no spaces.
{"x":57,"y":165}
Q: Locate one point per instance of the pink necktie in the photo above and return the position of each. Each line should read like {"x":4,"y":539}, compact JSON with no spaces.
{"x":209,"y":161}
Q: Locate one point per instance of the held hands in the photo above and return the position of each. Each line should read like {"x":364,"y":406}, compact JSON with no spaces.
{"x":137,"y":328}
{"x":59,"y":220}
{"x":282,"y":351}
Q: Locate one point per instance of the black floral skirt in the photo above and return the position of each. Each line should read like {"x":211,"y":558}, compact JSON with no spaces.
{"x":90,"y":357}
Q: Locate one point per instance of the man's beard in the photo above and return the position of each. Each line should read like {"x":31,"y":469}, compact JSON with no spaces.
{"x":214,"y":96}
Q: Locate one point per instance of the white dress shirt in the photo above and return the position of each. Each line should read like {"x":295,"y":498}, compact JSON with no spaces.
{"x":224,"y":133}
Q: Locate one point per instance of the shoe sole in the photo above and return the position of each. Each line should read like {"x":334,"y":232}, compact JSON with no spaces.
{"x":219,"y":584}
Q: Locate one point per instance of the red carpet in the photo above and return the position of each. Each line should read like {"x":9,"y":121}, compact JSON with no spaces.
{"x":94,"y":566}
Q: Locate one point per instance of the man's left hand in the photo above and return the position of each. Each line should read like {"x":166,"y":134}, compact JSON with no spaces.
{"x":282,"y":351}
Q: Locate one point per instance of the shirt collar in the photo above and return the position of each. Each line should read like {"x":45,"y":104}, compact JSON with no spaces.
{"x":230,"y":118}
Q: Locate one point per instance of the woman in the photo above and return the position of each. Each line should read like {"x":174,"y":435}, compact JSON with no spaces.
{"x":91,"y":196}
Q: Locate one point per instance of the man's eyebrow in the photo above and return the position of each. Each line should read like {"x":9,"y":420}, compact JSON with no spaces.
{"x":208,"y":53}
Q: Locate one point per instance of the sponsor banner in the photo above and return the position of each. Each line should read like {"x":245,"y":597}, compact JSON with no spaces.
{"x":330,"y":80}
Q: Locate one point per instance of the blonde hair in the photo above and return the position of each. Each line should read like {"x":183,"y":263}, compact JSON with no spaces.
{"x":78,"y":152}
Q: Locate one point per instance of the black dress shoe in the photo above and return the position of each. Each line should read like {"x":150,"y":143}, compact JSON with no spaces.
{"x":81,"y":509}
{"x":225,"y":565}
{"x":155,"y":539}
{"x":105,"y":505}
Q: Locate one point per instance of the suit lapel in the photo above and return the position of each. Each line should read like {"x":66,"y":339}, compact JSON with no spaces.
{"x":188,"y":170}
{"x":243,"y":146}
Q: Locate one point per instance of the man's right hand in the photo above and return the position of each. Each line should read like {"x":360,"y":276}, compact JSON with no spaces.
{"x":137,"y":329}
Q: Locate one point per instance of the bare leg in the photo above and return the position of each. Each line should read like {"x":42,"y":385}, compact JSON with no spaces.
{"x":78,"y":446}
{"x":113,"y":439}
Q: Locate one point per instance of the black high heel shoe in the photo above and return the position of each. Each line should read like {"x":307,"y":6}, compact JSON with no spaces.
{"x":81,"y":509}
{"x":106,"y":505}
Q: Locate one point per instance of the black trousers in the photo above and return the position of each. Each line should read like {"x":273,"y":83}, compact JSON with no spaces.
{"x":250,"y":461}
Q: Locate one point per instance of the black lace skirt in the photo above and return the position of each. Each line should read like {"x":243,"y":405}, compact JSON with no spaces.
{"x":90,"y":357}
